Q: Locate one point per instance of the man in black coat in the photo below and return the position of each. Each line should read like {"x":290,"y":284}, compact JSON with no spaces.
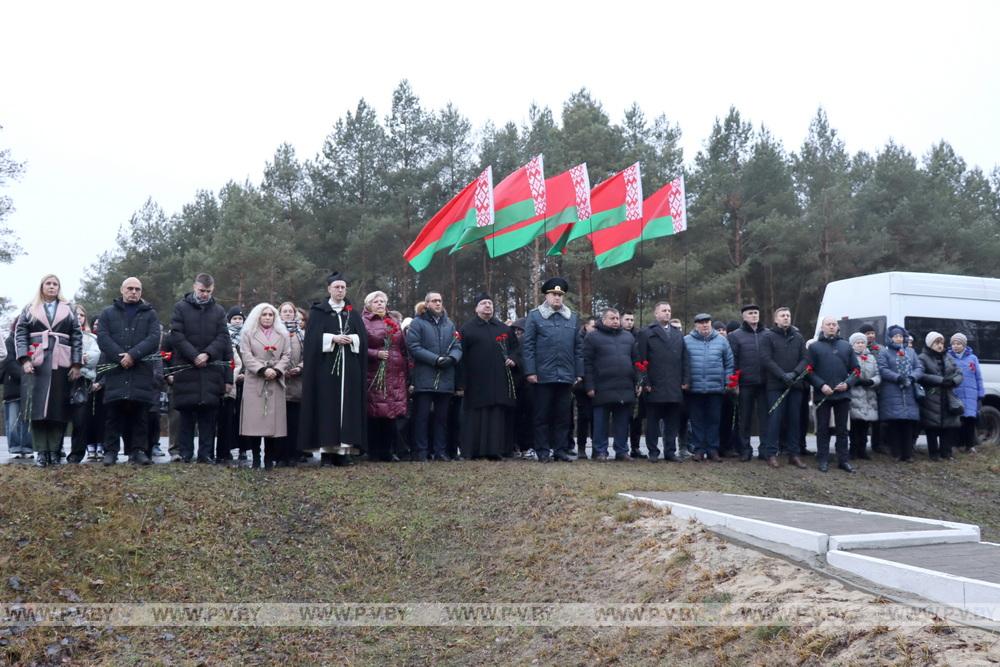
{"x":129,"y":333}
{"x":485,"y":374}
{"x":783,"y":358}
{"x":609,"y":377}
{"x":198,"y":337}
{"x":835,"y":371}
{"x":662,"y":347}
{"x":746,"y":344}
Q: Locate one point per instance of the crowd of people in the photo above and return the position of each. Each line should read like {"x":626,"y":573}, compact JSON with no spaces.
{"x":280,"y":384}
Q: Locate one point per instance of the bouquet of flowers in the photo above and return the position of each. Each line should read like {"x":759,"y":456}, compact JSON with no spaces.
{"x":391,"y":328}
{"x":338,"y":359}
{"x":164,"y":356}
{"x":502,"y":342}
{"x":454,"y":339}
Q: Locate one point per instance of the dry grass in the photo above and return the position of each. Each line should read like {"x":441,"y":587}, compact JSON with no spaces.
{"x":468,"y":532}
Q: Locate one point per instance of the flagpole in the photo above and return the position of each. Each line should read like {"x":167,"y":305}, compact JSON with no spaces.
{"x":640,"y":279}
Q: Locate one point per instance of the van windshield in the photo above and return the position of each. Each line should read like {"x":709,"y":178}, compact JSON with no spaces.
{"x":849,"y":325}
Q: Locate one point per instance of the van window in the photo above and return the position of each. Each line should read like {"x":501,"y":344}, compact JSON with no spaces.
{"x":984,"y":335}
{"x":849,"y":325}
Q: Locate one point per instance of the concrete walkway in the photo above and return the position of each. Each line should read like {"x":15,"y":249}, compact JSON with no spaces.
{"x":938,"y":560}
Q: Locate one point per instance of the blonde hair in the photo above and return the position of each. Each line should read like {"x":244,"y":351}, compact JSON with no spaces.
{"x":374,"y":295}
{"x":38,"y":295}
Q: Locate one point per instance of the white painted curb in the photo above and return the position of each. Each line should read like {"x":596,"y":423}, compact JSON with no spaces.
{"x":977,"y":597}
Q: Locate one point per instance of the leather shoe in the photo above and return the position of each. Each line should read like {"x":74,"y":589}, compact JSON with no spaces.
{"x":797,"y":462}
{"x":772,"y":461}
{"x":342,"y":460}
{"x":846,"y":467}
{"x":110,"y":458}
{"x":824,"y":466}
{"x":714,"y":456}
{"x":670,"y":456}
{"x":746,"y":456}
{"x":139,"y":458}
{"x":563,"y":456}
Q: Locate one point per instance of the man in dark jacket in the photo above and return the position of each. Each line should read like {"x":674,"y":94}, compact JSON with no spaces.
{"x":746,"y":342}
{"x":436,"y":350}
{"x":198,"y":336}
{"x":609,"y":358}
{"x":783,"y":358}
{"x":835,"y":371}
{"x":553,"y":361}
{"x":662,"y":347}
{"x":129,"y":333}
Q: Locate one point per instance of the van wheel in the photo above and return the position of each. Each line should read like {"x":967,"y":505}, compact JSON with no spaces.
{"x":989,"y":426}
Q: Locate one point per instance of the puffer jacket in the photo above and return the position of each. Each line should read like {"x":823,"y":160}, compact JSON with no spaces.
{"x":971,"y":391}
{"x":551,"y":347}
{"x":864,"y":398}
{"x":710,"y":362}
{"x":941,"y":375}
{"x":896,"y":401}
{"x":609,"y":357}
{"x":427,"y":339}
{"x":390,"y":401}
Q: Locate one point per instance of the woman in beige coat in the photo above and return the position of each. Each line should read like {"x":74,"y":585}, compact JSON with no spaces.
{"x":265,"y":349}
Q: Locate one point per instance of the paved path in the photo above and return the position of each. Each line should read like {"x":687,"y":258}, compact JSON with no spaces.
{"x":975,"y":560}
{"x":796,"y":515}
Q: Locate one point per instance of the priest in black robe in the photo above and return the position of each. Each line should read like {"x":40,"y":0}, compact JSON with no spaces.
{"x":490,"y":353}
{"x":335,"y":358}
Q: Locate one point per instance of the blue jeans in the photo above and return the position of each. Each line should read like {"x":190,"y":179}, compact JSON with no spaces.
{"x":16,"y":429}
{"x":783,"y":424}
{"x":705,"y":413}
{"x":621,"y":415}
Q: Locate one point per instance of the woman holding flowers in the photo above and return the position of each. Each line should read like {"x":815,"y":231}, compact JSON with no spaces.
{"x":387,"y":376}
{"x":49,"y":347}
{"x":264,"y":348}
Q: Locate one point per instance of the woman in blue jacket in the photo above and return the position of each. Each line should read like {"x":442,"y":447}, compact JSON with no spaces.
{"x":971,"y":391}
{"x":898,"y":409}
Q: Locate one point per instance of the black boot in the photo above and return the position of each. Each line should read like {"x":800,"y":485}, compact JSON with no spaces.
{"x":342,"y":460}
{"x":139,"y":458}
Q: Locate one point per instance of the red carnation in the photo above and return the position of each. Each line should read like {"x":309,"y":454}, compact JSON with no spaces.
{"x":166,"y":356}
{"x":349,"y":308}
{"x":875,"y":347}
{"x":232,"y":364}
{"x":809,"y":368}
{"x":856,"y":372}
{"x":972,"y":366}
{"x":31,"y":353}
{"x":458,"y":335}
{"x":901,"y":353}
{"x":864,"y":357}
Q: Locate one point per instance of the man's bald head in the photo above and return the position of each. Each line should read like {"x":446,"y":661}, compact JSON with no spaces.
{"x":131,"y":290}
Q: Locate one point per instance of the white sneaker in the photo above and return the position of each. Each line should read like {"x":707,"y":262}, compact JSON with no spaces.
{"x":530,"y":455}
{"x":175,"y":458}
{"x":92,"y":452}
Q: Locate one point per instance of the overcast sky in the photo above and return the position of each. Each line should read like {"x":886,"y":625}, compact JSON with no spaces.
{"x":110,"y":103}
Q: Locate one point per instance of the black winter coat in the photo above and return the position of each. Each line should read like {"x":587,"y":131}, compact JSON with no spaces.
{"x":481,"y":373}
{"x":609,"y":357}
{"x":746,"y":343}
{"x":782,"y":351}
{"x":663,"y":348}
{"x":941,"y":375}
{"x":197,"y":328}
{"x":833,"y":362}
{"x":140,"y":338}
{"x":11,"y":372}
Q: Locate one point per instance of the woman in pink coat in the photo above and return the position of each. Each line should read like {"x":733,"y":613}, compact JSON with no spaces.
{"x":387,"y":383}
{"x":264,"y":348}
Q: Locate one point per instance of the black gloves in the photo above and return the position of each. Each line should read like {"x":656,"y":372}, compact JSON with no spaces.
{"x":789,"y":379}
{"x":866,"y":383}
{"x":442,"y":362}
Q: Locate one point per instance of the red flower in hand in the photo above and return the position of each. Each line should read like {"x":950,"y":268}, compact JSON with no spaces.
{"x":901,"y":353}
{"x":809,"y":369}
{"x":875,"y":347}
{"x":349,"y":308}
{"x":856,"y":372}
{"x":972,"y":366}
{"x":31,"y":353}
{"x":864,"y":357}
{"x":458,"y":335}
{"x":232,"y":364}
{"x":166,"y":356}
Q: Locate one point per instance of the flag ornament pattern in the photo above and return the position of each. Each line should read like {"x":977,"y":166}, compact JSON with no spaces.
{"x":536,"y":181}
{"x":664,"y":214}
{"x":484,"y":198}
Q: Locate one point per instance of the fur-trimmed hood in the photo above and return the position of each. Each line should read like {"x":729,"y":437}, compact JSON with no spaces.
{"x":546,"y":311}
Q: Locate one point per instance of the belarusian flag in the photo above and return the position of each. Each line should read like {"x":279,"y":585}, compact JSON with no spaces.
{"x":569,"y":205}
{"x":520,"y":202}
{"x":614,"y":202}
{"x":664,"y":214}
{"x":472,"y":207}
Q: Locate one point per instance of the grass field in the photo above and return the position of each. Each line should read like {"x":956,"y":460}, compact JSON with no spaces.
{"x":461,"y":532}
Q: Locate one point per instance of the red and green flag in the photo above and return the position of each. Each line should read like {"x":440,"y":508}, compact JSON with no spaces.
{"x":471,"y":208}
{"x":520,"y":207}
{"x":614,"y":202}
{"x":664,"y":214}
{"x":568,"y":205}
